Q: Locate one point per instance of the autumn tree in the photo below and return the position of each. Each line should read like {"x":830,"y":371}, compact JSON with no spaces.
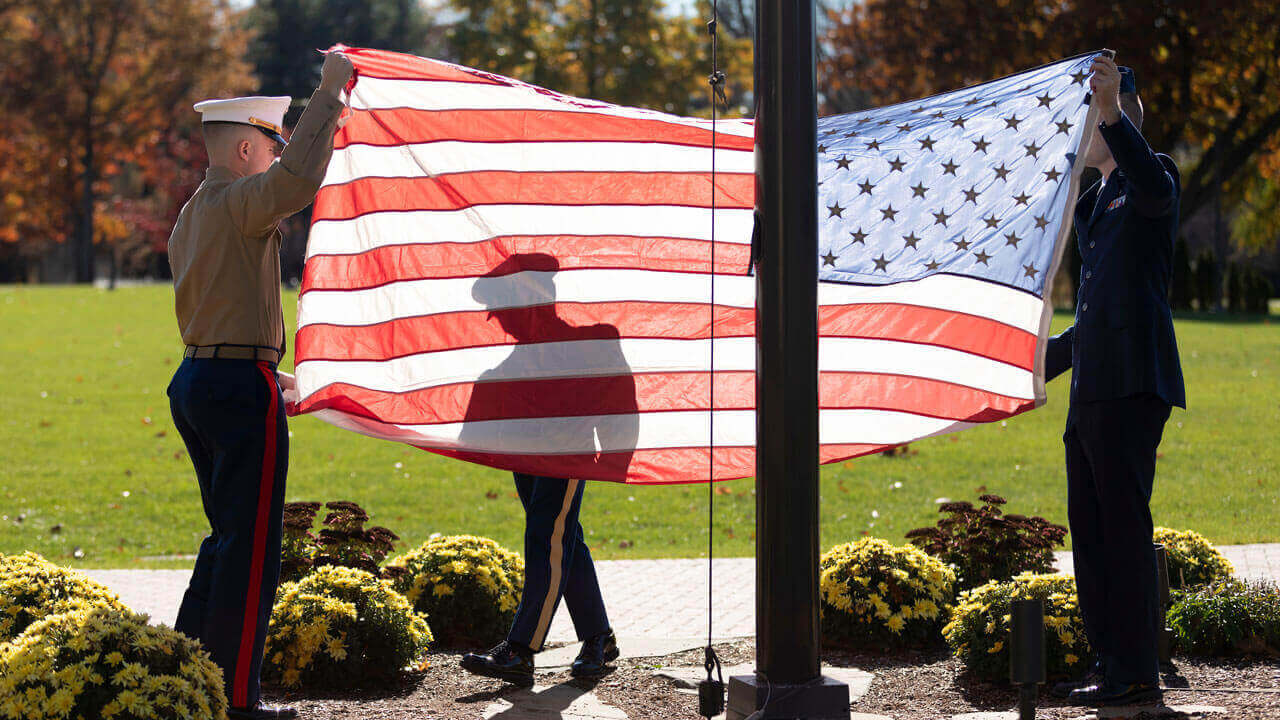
{"x":631,"y":52}
{"x":1208,"y":74}
{"x":98,"y":87}
{"x":288,"y":33}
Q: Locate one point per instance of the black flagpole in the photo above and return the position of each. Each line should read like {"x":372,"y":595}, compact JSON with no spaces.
{"x":788,"y":683}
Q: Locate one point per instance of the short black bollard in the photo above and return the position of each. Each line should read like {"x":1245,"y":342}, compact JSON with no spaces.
{"x":1164,"y":638}
{"x":1026,"y":653}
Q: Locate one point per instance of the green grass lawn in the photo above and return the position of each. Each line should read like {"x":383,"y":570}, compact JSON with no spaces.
{"x":91,"y":459}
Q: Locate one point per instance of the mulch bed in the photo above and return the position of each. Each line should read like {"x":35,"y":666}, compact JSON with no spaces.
{"x":923,"y":685}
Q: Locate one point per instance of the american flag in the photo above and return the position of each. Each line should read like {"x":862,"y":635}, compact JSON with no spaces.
{"x":503,"y":274}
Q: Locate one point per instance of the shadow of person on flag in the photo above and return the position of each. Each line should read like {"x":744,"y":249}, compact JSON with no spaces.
{"x":561,"y":405}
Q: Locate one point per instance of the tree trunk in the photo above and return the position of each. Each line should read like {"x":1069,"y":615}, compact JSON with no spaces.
{"x":591,"y":52}
{"x":83,"y":249}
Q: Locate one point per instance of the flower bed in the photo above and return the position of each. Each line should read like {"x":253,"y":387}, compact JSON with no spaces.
{"x":1227,"y":618}
{"x":468,"y":586}
{"x":979,"y":627}
{"x":98,"y":662}
{"x":984,"y":544}
{"x":32,"y":588}
{"x":877,"y":595}
{"x":341,"y":627}
{"x":1192,"y":560}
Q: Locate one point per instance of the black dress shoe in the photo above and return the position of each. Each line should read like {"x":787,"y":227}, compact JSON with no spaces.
{"x":1092,"y":677}
{"x":506,"y":662}
{"x":1108,"y":693}
{"x":262,"y":712}
{"x":597,"y":652}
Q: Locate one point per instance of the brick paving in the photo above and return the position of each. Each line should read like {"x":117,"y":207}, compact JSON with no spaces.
{"x":645,"y":598}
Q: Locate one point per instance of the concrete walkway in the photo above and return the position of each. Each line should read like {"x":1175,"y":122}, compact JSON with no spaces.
{"x":654,"y":599}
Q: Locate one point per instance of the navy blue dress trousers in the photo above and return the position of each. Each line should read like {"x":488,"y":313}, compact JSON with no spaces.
{"x":231,"y":417}
{"x":557,"y":563}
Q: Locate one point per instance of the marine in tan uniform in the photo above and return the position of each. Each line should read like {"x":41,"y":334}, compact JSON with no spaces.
{"x":226,"y":397}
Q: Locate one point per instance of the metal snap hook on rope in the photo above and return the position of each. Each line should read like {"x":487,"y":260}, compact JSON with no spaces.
{"x":711,"y":690}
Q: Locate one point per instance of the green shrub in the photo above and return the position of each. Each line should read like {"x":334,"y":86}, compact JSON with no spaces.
{"x":338,"y":627}
{"x":342,"y":541}
{"x":979,"y":627}
{"x":110,"y":664}
{"x":32,"y":588}
{"x":877,"y":595}
{"x":1226,"y":618}
{"x":1192,"y":560}
{"x":469,"y":586}
{"x":984,"y":544}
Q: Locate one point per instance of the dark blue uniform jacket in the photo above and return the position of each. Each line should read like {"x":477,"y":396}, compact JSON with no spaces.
{"x":1122,"y":342}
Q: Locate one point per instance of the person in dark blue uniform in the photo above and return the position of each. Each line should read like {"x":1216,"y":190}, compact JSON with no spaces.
{"x":1126,"y":378}
{"x":601,"y":435}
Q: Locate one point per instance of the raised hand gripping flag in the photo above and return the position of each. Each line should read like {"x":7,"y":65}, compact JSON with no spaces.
{"x":514,"y":277}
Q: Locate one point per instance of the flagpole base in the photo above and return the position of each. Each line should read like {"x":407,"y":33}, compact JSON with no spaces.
{"x":823,"y":699}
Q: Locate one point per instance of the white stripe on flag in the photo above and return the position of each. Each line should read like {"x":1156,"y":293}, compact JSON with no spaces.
{"x":415,"y":298}
{"x":652,"y":430}
{"x":437,"y":158}
{"x":485,"y":222}
{"x":595,"y":358}
{"x":379,"y":93}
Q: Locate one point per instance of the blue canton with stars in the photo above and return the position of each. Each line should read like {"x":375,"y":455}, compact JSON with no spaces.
{"x":972,"y":182}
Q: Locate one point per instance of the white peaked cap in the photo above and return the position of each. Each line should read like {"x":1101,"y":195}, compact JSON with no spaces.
{"x":265,"y":113}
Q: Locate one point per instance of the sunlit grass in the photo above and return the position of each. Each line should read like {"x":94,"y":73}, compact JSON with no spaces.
{"x":92,"y":461}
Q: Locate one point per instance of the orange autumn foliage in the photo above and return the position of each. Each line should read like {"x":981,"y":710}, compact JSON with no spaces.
{"x":100,"y":94}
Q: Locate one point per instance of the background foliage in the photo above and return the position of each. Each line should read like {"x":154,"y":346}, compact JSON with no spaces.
{"x":102,"y":148}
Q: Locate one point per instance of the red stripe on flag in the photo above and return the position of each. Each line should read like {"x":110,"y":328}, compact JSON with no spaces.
{"x":398,"y":66}
{"x":396,"y":263}
{"x":475,"y":328}
{"x":930,"y":326}
{"x":654,"y":392}
{"x":464,"y":190}
{"x":248,"y":631}
{"x":647,"y":467}
{"x":410,"y":126}
{"x":684,"y":321}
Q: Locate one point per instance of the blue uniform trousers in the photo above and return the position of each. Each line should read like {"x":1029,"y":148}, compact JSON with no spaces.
{"x":231,"y":416}
{"x":556,"y":563}
{"x":1111,"y":462}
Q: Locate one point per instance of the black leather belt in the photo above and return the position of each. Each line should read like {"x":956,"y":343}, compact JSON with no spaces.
{"x":233,"y":352}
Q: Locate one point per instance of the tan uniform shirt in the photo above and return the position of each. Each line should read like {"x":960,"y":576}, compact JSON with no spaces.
{"x":225,"y":248}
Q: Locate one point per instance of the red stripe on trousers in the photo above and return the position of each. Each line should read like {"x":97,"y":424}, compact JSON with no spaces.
{"x":654,"y":392}
{"x":637,"y":319}
{"x":407,"y":126}
{"x":504,"y":187}
{"x":396,"y":263}
{"x":265,"y":485}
